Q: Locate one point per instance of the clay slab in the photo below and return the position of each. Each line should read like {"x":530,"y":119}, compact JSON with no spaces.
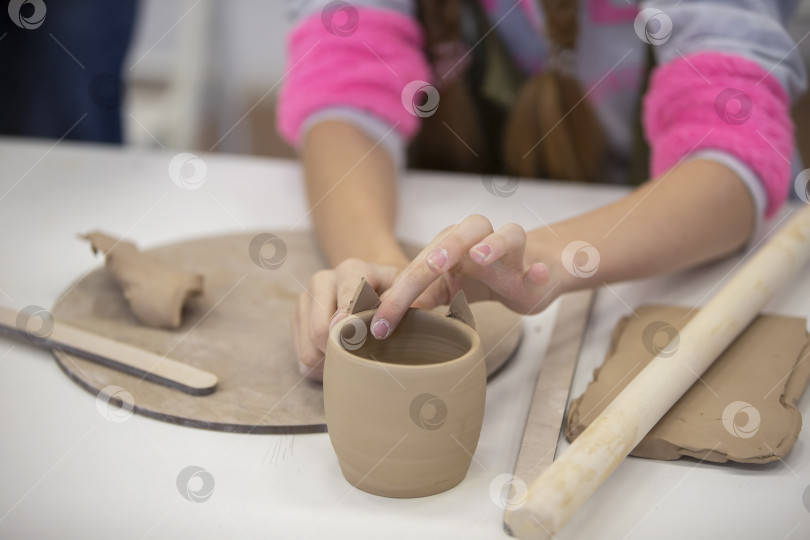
{"x":743,"y":408}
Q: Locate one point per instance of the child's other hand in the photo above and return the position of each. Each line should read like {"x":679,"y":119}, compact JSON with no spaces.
{"x":487,"y":265}
{"x":316,"y":312}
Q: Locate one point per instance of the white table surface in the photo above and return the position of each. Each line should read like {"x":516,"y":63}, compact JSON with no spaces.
{"x":68,"y":471}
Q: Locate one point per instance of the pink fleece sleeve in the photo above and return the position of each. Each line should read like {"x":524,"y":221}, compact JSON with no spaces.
{"x":365,"y":68}
{"x":723,"y":102}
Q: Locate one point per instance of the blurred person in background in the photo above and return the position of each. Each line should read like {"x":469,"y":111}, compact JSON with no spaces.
{"x":687,"y":100}
{"x":61,"y":75}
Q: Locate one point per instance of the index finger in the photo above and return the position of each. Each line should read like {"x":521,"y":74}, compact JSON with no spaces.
{"x":416,"y":277}
{"x":444,"y":253}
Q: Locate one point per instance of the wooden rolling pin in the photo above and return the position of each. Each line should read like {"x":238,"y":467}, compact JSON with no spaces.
{"x":148,"y":365}
{"x":563,"y":487}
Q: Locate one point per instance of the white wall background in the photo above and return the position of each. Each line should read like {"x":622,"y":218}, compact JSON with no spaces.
{"x":197,"y":59}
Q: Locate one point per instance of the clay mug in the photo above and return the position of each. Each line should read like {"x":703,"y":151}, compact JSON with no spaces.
{"x":404,"y":414}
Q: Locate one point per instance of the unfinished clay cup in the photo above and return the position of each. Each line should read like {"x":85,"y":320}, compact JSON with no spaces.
{"x":404,"y":414}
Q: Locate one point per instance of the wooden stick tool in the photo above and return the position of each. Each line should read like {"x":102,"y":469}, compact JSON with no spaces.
{"x":152,"y":367}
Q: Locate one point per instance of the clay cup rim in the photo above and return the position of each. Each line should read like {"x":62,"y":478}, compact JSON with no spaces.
{"x":466,"y":331}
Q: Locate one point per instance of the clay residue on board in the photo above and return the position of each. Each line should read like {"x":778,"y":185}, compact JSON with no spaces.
{"x":744,"y":407}
{"x":155,"y":293}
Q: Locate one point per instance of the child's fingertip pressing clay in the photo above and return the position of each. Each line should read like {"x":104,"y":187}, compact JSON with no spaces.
{"x":380,"y":328}
{"x":437,"y":260}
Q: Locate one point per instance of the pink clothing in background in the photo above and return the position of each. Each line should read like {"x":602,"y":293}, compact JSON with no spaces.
{"x":721,"y":102}
{"x":365,"y":67}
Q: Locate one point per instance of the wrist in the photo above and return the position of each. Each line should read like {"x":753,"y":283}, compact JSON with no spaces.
{"x":393,"y":256}
{"x":382,"y":249}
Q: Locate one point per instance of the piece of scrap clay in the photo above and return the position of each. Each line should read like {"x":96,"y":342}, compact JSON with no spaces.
{"x":155,"y":293}
{"x":460,"y":309}
{"x":743,"y":408}
{"x":365,"y":298}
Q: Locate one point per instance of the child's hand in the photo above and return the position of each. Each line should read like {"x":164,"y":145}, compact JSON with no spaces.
{"x":487,"y":265}
{"x":315,"y":313}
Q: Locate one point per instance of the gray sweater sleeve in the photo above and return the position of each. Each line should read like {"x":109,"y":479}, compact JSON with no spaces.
{"x":754,"y":29}
{"x":297,"y":10}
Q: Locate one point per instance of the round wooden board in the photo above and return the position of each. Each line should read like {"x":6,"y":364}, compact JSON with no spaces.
{"x":238,"y":330}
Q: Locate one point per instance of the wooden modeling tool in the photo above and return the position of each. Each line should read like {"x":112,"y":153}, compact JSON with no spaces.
{"x":152,"y":367}
{"x":565,"y":486}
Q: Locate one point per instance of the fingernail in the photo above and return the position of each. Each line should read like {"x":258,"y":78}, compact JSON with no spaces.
{"x":303,"y":369}
{"x":381,"y":328}
{"x":436,"y":259}
{"x":483,"y":251}
{"x":335,"y":319}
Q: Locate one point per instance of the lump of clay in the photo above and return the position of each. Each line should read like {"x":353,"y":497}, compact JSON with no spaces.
{"x":155,"y":293}
{"x":743,"y":408}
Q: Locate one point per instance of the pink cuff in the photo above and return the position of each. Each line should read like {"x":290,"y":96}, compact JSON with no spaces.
{"x":364,"y":67}
{"x":741,"y":110}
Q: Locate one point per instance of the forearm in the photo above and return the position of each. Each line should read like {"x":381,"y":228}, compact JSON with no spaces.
{"x":699,"y":211}
{"x":351,"y":187}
